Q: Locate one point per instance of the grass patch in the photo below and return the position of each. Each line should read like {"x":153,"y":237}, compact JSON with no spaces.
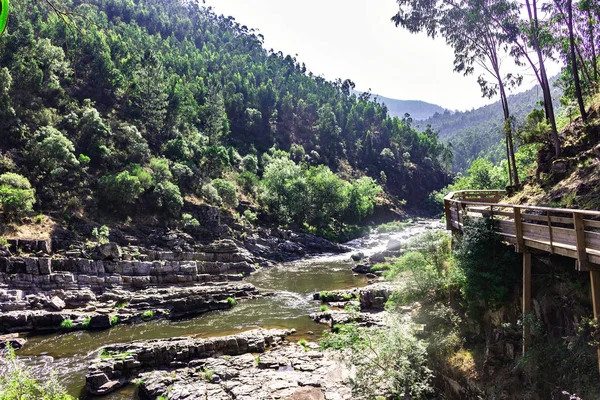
{"x":114,"y":320}
{"x":146,"y":315}
{"x":122,"y":304}
{"x":231,"y":301}
{"x":106,"y":355}
{"x":392,"y":226}
{"x":86,"y":322}
{"x":66,"y":324}
{"x":323,"y":308}
{"x":208,"y":374}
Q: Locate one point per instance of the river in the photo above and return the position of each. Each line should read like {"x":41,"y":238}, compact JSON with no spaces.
{"x":292,"y":285}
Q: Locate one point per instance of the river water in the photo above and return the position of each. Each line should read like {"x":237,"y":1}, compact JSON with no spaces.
{"x":292,"y":285}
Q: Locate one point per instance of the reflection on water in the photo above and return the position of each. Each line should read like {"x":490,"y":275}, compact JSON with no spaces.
{"x":292,"y":285}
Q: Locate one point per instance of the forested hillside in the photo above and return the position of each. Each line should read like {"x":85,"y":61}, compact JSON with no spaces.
{"x":480,"y":132}
{"x":129,"y":107}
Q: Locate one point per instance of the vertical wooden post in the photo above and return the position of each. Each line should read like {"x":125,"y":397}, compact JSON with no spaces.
{"x":526,"y":299}
{"x":448,"y":215}
{"x":595,"y":283}
{"x":582,"y":258}
{"x":519,"y":229}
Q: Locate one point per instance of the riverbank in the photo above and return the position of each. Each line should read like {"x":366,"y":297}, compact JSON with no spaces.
{"x":290,"y":288}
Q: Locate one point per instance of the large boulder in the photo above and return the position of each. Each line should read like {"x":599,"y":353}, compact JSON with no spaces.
{"x":57,"y":303}
{"x":393,"y":244}
{"x":108,"y":251}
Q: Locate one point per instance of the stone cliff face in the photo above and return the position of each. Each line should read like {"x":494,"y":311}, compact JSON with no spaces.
{"x":40,"y":290}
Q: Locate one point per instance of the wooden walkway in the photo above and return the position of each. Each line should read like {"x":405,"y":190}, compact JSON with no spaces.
{"x":566,"y":232}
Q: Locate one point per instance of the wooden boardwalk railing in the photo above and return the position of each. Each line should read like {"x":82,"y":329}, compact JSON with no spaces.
{"x":566,"y":232}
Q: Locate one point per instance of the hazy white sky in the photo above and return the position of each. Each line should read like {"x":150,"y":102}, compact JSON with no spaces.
{"x":355,"y":39}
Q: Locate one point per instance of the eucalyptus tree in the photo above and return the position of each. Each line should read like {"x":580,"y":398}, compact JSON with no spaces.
{"x":527,"y":30}
{"x":469,"y":27}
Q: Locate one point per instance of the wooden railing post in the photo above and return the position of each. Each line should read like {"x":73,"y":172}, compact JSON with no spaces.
{"x":448,"y":214}
{"x":595,"y":283}
{"x":519,"y":230}
{"x":526,"y":300}
{"x":582,"y":257}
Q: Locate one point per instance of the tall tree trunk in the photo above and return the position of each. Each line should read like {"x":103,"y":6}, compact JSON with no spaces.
{"x":509,"y":137}
{"x":593,"y":46}
{"x":574,"y":67}
{"x":543,"y":77}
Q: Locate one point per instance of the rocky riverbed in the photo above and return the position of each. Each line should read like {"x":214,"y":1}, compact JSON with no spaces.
{"x":149,"y":290}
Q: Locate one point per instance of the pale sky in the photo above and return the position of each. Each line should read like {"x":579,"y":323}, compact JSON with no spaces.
{"x":355,"y":39}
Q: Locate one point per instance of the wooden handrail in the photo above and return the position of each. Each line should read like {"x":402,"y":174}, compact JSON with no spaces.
{"x":572,"y":233}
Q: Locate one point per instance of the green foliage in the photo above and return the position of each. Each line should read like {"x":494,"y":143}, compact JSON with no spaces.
{"x":146,"y":315}
{"x":86,"y":322}
{"x":323,"y":308}
{"x":210,"y":193}
{"x":66,"y":324}
{"x":426,"y":269}
{"x":178,"y":101}
{"x":17,"y":382}
{"x":190,"y":224}
{"x":490,"y":268}
{"x":251,"y":217}
{"x":16,"y":195}
{"x":120,"y":190}
{"x":391,"y":361}
{"x":231,"y":301}
{"x":101,"y":235}
{"x":394,"y":226}
{"x":114,"y":320}
{"x":168,"y":198}
{"x":208,"y":374}
{"x":227,"y":192}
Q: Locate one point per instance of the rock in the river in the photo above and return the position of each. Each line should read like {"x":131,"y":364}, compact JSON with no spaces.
{"x":172,"y":353}
{"x":292,"y":373}
{"x":357,"y":256}
{"x":393,"y":244}
{"x":374,"y":297}
{"x":12,"y":340}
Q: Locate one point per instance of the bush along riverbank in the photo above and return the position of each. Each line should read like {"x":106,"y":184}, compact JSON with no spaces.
{"x":454,"y":325}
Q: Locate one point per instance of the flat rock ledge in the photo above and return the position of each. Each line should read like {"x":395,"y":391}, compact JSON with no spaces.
{"x":290,"y":371}
{"x":87,"y":310}
{"x":123,"y":363}
{"x":334,"y":318}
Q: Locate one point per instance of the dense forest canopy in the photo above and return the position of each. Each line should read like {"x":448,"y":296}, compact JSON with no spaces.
{"x":143,"y":102}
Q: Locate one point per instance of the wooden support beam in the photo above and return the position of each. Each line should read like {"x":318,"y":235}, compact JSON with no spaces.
{"x":519,"y":229}
{"x":448,"y":215}
{"x":582,"y":257}
{"x":526,"y":299}
{"x":595,"y":283}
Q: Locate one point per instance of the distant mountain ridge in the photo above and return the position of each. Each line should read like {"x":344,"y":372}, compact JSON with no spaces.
{"x":479,"y":132}
{"x":418,"y":110}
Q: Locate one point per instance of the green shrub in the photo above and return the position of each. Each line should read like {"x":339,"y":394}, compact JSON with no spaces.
{"x":148,"y":315}
{"x":18,"y":382}
{"x":101,"y":235}
{"x":227,"y":192}
{"x":190,"y":224}
{"x":114,"y":320}
{"x":168,"y":197}
{"x":161,"y":171}
{"x":51,"y":149}
{"x":144,"y":176}
{"x":120,"y":190}
{"x":16,"y":195}
{"x":210,"y":194}
{"x":250,"y":163}
{"x":208,"y":374}
{"x":251,"y":217}
{"x":491,"y":268}
{"x":323,"y":308}
{"x":231,"y":301}
{"x":66,"y":324}
{"x":391,"y":359}
{"x":86,"y":322}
